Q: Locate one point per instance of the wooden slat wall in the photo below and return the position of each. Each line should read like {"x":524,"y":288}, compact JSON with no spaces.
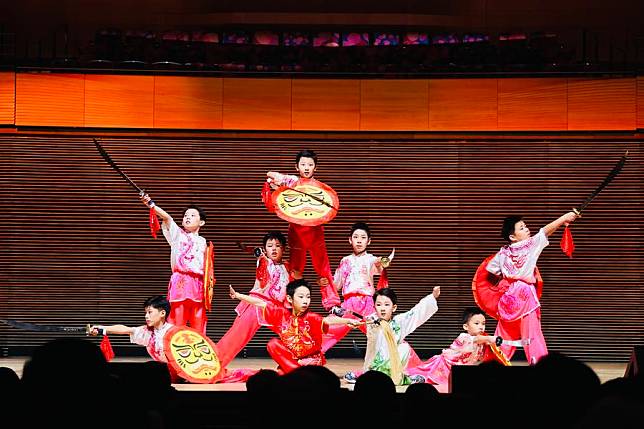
{"x":76,"y":245}
{"x":211,"y":103}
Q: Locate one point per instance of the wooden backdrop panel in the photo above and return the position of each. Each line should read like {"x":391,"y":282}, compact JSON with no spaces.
{"x":640,"y":102}
{"x":395,"y":105}
{"x":7,"y":98}
{"x":84,"y":252}
{"x":188,"y":102}
{"x":602,"y":104}
{"x":119,"y":101}
{"x":263,"y":104}
{"x":533,"y":104}
{"x":50,"y":99}
{"x":326,"y":104}
{"x":463,"y":104}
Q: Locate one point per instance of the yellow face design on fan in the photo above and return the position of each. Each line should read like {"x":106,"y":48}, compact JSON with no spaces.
{"x":310,"y":203}
{"x":193,"y":355}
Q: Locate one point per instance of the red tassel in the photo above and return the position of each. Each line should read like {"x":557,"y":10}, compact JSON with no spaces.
{"x":383,"y":281}
{"x":106,"y":348}
{"x":266,"y":197}
{"x":154,"y":223}
{"x":261,"y":273}
{"x":567,"y":245}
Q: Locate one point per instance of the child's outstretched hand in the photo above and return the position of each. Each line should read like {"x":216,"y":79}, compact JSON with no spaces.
{"x":355,"y":324}
{"x":145,"y":199}
{"x":570,"y":217}
{"x":436,"y":292}
{"x":93,"y":330}
{"x":231,"y":292}
{"x":324,"y":282}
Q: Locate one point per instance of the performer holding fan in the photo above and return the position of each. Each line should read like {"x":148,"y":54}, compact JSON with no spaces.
{"x":307,"y":204}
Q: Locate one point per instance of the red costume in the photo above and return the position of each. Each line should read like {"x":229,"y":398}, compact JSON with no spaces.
{"x":306,"y":214}
{"x":300,"y":337}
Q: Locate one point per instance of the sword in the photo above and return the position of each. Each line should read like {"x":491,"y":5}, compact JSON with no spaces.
{"x":609,"y":178}
{"x":110,"y":161}
{"x":44,"y":328}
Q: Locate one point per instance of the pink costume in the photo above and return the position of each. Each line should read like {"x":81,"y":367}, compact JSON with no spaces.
{"x":300,"y":337}
{"x":186,"y":287}
{"x":310,"y":238}
{"x":270,"y":286}
{"x":152,"y":339}
{"x":463,"y":351}
{"x":519,"y":307}
{"x":355,"y":276}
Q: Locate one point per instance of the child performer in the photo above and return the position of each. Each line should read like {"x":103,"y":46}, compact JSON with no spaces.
{"x":149,"y":335}
{"x":272,"y":276}
{"x":387,"y":350}
{"x":469,"y":348}
{"x":354,"y":276}
{"x":300,"y":331}
{"x":303,"y":238}
{"x":186,"y":290}
{"x":519,"y":315}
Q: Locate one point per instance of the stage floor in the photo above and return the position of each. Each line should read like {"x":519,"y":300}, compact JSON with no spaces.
{"x":604,"y":370}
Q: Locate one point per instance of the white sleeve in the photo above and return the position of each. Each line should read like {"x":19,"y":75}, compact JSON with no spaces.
{"x":141,"y":336}
{"x":418,"y":315}
{"x":171,"y":231}
{"x":494,"y":266}
{"x":541,"y":240}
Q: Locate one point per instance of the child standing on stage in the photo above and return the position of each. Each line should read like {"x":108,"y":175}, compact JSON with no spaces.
{"x":187,"y":259}
{"x":149,"y":335}
{"x":272,"y":276}
{"x":302,"y":238}
{"x":519,"y":308}
{"x":387,"y":350}
{"x":354,"y":276}
{"x":469,"y":348}
{"x":300,"y":330}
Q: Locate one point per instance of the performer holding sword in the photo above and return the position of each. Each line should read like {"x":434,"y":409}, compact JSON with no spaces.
{"x":190,"y":289}
{"x":507,"y":285}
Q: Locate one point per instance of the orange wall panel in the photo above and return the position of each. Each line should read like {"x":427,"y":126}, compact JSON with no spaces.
{"x":326,"y":104}
{"x":538,"y":104}
{"x":601,"y":104}
{"x":394,"y":105}
{"x":257,"y":104}
{"x":640,"y":102}
{"x":50,"y":99}
{"x":463,"y":104}
{"x":188,"y":102}
{"x":119,"y":101}
{"x":7,"y":97}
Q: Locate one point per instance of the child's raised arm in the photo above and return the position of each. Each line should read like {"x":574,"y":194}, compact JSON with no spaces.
{"x":145,"y":199}
{"x":553,"y":226}
{"x":246,"y":298}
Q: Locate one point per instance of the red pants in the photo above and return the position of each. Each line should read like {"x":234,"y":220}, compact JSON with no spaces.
{"x":527,"y":327}
{"x":311,"y":238}
{"x":188,"y":311}
{"x":240,"y":333}
{"x":286,"y":359}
